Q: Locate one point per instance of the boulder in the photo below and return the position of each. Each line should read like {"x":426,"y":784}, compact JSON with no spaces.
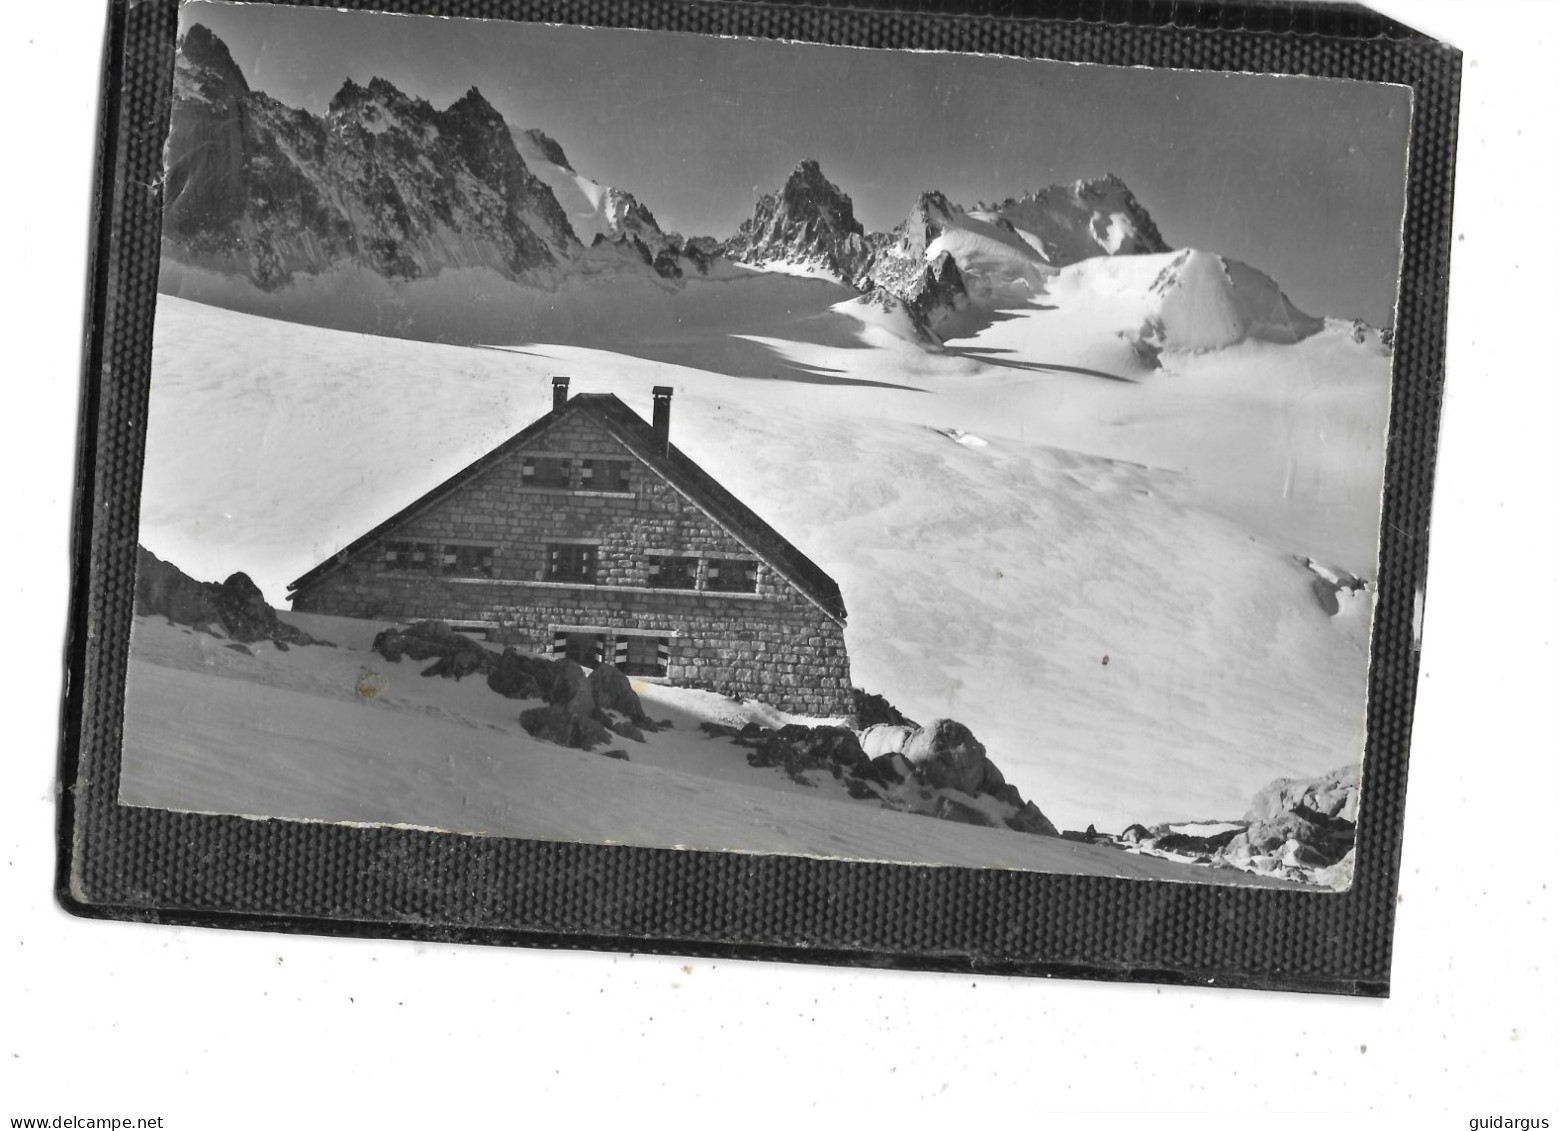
{"x":947,"y":755}
{"x":570,"y":687}
{"x":885,"y":738}
{"x":890,"y":769}
{"x":1335,"y":794}
{"x":1029,"y":819}
{"x":621,"y":727}
{"x":516,"y":675}
{"x":556,"y":723}
{"x":435,"y":640}
{"x":949,"y":810}
{"x":1135,"y":834}
{"x":243,"y":610}
{"x":611,"y":691}
{"x":837,"y":746}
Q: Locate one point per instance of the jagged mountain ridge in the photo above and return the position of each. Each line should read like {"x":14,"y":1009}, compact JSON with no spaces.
{"x":610,"y":216}
{"x":383,"y":180}
{"x":263,"y":193}
{"x":932,"y":260}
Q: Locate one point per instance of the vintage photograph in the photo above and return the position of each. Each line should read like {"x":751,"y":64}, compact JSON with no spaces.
{"x":669,"y":440}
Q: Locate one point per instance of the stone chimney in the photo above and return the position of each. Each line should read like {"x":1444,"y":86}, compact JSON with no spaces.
{"x":559,"y":392}
{"x":661,"y":422}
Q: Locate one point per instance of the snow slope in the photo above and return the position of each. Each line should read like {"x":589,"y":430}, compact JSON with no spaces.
{"x":1110,"y":590}
{"x":290,"y":734}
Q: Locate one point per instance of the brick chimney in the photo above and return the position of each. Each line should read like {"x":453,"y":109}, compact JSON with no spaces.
{"x":661,"y":421}
{"x":559,"y":392}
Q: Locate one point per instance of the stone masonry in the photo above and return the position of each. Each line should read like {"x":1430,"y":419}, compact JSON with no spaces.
{"x":775,"y":644}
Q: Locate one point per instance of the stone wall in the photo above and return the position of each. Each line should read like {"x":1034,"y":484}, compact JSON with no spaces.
{"x":774,"y":644}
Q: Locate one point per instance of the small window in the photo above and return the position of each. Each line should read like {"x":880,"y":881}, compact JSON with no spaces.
{"x":673,"y":573}
{"x":642,"y":655}
{"x":732,"y":575}
{"x":586,"y":649}
{"x":604,"y":475}
{"x":468,"y":561}
{"x":416,"y":557}
{"x":555,"y":472}
{"x":571,"y":563}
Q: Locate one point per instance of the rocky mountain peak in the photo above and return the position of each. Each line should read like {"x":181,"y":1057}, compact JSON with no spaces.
{"x":808,"y":193}
{"x":206,"y":70}
{"x":549,"y":149}
{"x":809,"y":222}
{"x":472,"y":106}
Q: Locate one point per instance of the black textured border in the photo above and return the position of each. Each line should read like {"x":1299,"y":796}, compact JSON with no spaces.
{"x":158,"y":866}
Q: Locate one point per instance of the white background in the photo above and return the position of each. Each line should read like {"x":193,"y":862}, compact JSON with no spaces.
{"x":230,"y":1029}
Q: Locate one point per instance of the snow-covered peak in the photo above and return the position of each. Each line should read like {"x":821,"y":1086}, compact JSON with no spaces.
{"x":543,"y":147}
{"x":1068,"y":223}
{"x":595,"y":210}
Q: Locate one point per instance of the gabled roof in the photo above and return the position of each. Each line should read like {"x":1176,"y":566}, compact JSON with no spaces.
{"x":701,"y":488}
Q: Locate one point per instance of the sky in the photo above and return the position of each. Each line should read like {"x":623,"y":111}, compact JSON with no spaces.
{"x":1301,"y":178}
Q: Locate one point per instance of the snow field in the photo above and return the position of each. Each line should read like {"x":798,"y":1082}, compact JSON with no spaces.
{"x":1153,"y":522}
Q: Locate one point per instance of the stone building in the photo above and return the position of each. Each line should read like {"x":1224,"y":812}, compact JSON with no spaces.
{"x":588,"y":534}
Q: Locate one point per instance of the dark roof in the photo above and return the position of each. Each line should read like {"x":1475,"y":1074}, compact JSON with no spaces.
{"x":672,"y":464}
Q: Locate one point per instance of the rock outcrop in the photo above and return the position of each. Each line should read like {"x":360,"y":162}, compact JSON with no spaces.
{"x":809,"y":222}
{"x":382,"y":180}
{"x":235,"y":606}
{"x":1297,"y":828}
{"x":939,"y":771}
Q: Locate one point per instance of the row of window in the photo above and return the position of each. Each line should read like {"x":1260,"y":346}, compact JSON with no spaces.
{"x":566,"y":473}
{"x":631,"y":654}
{"x":429,"y":557}
{"x":578,"y":564}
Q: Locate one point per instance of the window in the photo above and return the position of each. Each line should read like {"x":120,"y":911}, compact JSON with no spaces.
{"x":672,"y":573}
{"x":410,"y":556}
{"x":641,"y":655}
{"x":732,"y":575}
{"x":586,"y":649}
{"x":555,"y":472}
{"x":604,"y":475}
{"x":468,"y":561}
{"x":571,"y":563}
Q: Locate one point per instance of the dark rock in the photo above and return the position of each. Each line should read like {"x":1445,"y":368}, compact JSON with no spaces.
{"x":457,"y":655}
{"x":622,"y":728}
{"x":1008,"y":793}
{"x":873,"y":710}
{"x":243,"y":610}
{"x":835,"y":745}
{"x":556,"y":723}
{"x":890,"y":769}
{"x":947,"y":755}
{"x":517,"y":675}
{"x":1029,"y":819}
{"x":859,"y":790}
{"x":718,"y":730}
{"x":619,"y":755}
{"x":242,"y":648}
{"x":949,"y":810}
{"x":571,"y":687}
{"x":1186,"y":844}
{"x":1135,"y":834}
{"x":611,"y":691}
{"x":236,"y":605}
{"x":282,"y":645}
